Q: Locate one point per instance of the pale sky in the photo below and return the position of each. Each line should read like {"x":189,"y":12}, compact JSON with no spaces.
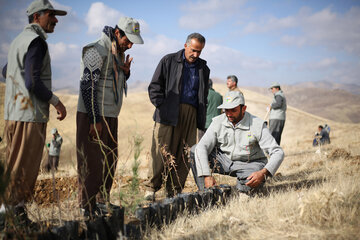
{"x":260,"y":41}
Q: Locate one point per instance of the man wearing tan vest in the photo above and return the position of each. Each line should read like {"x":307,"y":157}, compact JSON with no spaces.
{"x":27,"y":99}
{"x":105,"y":70}
{"x":277,"y":112}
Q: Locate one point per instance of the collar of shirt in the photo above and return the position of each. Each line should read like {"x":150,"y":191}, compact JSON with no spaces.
{"x":189,"y":65}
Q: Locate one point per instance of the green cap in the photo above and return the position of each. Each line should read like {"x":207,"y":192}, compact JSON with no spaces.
{"x":39,"y":5}
{"x":131,"y":27}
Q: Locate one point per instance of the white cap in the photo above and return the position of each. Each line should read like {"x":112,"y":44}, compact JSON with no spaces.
{"x":53,"y":131}
{"x":232,"y":99}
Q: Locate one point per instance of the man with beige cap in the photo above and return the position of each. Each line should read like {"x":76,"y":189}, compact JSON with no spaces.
{"x":54,"y":146}
{"x":104,"y":72}
{"x":277,"y":112}
{"x":235,"y":144}
{"x":27,"y":99}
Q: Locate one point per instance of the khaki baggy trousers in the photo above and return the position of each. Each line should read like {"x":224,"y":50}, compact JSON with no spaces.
{"x":172,"y":140}
{"x":24,"y":149}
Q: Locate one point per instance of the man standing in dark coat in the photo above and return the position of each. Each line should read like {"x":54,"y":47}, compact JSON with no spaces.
{"x":178,"y":90}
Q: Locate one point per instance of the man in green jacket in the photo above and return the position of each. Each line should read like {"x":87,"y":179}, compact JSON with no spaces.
{"x":214,"y":100}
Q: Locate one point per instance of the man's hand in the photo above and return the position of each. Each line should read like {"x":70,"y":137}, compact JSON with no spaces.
{"x":95,"y":127}
{"x":127,"y":65}
{"x":61,"y":110}
{"x":209,"y":181}
{"x":256,"y":178}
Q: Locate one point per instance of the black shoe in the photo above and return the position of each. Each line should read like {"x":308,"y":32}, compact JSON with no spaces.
{"x":21,"y":218}
{"x":106,"y":208}
{"x":89,"y":215}
{"x":2,"y":221}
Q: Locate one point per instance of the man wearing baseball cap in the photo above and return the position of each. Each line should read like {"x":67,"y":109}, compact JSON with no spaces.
{"x":277,"y":112}
{"x":27,"y":99}
{"x":56,"y":141}
{"x":235,"y":144}
{"x":104,"y":72}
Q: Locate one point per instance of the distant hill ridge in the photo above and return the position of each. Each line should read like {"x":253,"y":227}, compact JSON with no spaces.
{"x":323,"y":99}
{"x":334,"y":104}
{"x":352,"y":88}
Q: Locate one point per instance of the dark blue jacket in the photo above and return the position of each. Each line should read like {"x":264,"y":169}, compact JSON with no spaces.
{"x":165,"y":89}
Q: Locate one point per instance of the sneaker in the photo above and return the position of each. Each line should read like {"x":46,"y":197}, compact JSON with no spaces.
{"x":149,"y":195}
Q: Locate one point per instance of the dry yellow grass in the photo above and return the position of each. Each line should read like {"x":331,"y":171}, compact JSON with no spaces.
{"x":312,"y":197}
{"x":315,"y":197}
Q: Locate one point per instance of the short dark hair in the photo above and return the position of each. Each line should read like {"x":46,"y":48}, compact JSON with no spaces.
{"x":122,"y":33}
{"x":197,"y":36}
{"x":31,"y":17}
{"x":210,"y":83}
{"x":320,"y":126}
{"x":233,"y":78}
{"x":278,"y":88}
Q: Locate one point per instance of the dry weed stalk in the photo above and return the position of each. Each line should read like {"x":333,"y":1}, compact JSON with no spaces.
{"x":169,"y":165}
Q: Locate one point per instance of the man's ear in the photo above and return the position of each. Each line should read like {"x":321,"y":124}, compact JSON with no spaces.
{"x":36,"y":17}
{"x":117,"y":32}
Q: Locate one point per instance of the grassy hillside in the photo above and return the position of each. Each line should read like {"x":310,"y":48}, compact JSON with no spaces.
{"x":313,"y":196}
{"x":136,"y":119}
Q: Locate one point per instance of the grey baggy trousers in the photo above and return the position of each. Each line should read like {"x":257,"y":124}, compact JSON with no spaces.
{"x":220,"y":163}
{"x":276,"y":127}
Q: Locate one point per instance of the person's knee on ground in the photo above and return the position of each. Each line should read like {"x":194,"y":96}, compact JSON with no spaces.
{"x":243,"y":188}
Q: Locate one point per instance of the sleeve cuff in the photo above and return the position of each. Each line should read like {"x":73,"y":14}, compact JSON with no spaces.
{"x":54,"y":100}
